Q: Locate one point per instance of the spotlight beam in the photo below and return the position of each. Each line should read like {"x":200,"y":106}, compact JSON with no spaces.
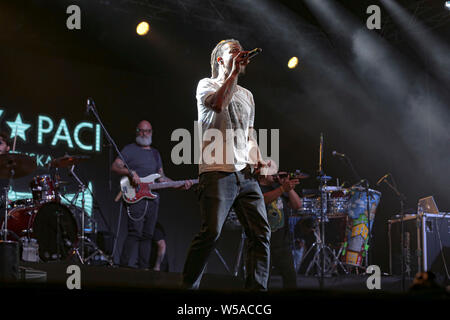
{"x":401,"y":84}
{"x":432,"y":50}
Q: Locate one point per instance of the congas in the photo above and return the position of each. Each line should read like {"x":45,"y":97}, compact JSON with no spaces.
{"x":358,"y":225}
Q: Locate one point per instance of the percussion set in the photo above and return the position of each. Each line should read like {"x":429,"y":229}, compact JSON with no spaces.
{"x":43,"y":223}
{"x":346,"y":210}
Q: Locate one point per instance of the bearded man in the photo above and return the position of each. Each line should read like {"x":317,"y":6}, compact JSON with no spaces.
{"x":143,"y":160}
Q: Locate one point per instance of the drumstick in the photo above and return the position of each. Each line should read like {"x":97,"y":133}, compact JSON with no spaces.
{"x":15,"y":139}
{"x":117,"y":198}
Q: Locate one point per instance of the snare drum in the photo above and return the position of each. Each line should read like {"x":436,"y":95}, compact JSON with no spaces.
{"x":358,"y":227}
{"x":22,"y":203}
{"x":310,"y":206}
{"x":43,"y":189}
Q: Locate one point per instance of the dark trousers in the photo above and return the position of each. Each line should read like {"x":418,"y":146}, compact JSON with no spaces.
{"x":218,"y":192}
{"x":281,"y":258}
{"x":142,"y":217}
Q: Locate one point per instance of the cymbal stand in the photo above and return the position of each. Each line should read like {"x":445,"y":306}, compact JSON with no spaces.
{"x":240,"y":254}
{"x":5,"y":221}
{"x":319,"y":244}
{"x":222,"y":260}
{"x":83,"y":238}
{"x":325,"y":263}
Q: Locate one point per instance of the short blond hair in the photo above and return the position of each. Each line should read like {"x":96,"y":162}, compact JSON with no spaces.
{"x":217,"y":52}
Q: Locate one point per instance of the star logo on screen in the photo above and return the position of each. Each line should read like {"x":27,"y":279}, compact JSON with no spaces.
{"x":18,"y":128}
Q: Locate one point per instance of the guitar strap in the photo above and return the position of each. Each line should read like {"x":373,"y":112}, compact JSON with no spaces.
{"x":155,"y":156}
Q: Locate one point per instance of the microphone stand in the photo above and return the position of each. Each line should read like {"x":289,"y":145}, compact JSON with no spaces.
{"x":402,"y":199}
{"x":6,"y":190}
{"x":91,"y":107}
{"x":357,"y":176}
{"x":368,"y":248}
{"x":323,"y":208}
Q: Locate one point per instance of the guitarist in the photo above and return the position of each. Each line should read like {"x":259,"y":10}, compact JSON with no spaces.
{"x":143,"y":160}
{"x":278,"y":194}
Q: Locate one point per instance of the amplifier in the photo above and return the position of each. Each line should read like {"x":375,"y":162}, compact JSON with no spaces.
{"x":426,"y":243}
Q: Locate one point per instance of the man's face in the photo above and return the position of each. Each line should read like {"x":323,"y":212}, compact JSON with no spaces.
{"x":144,"y":134}
{"x":267,"y":180}
{"x":229,"y":51}
{"x":4,"y":148}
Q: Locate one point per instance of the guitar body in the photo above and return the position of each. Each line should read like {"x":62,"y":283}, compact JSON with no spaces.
{"x":142,"y":191}
{"x":133,"y":194}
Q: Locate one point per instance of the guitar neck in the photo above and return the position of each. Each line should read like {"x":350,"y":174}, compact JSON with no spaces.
{"x":170,"y":184}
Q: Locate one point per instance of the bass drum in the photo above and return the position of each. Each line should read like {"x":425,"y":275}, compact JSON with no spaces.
{"x":51,"y":224}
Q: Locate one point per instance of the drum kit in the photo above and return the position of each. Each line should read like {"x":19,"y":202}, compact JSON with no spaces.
{"x":354,"y":207}
{"x":47,"y":229}
{"x":345,"y":212}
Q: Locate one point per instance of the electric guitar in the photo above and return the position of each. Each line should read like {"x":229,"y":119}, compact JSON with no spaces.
{"x":133,"y":194}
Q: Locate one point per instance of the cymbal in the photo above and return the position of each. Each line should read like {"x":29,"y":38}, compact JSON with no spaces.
{"x":295,"y":175}
{"x":67,"y":161}
{"x":62,"y":183}
{"x":332,"y":188}
{"x":21,"y":164}
{"x":302,"y":175}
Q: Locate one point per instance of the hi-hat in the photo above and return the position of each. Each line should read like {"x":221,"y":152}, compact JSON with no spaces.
{"x":67,"y":161}
{"x":21,"y":164}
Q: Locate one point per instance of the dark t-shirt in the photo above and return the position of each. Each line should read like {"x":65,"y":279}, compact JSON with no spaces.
{"x":143,"y":161}
{"x":277,"y":215}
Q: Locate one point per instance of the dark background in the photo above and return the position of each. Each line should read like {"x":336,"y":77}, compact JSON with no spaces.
{"x":381,"y":101}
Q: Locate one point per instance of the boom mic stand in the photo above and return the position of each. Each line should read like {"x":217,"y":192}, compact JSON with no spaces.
{"x":91,"y":107}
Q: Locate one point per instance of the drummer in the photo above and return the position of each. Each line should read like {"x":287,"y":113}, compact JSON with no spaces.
{"x":5,"y":143}
{"x":279,"y":194}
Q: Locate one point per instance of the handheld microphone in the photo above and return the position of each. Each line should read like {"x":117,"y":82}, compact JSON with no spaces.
{"x":334,"y":153}
{"x":383,"y":178}
{"x":252,"y":53}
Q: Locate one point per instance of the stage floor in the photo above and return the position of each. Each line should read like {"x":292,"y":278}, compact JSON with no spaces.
{"x":106,"y":276}
{"x":55,"y":274}
{"x":146,"y":290}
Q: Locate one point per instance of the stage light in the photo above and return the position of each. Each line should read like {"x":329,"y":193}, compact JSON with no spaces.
{"x":293,"y":62}
{"x":447,"y":5}
{"x":142,"y":28}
